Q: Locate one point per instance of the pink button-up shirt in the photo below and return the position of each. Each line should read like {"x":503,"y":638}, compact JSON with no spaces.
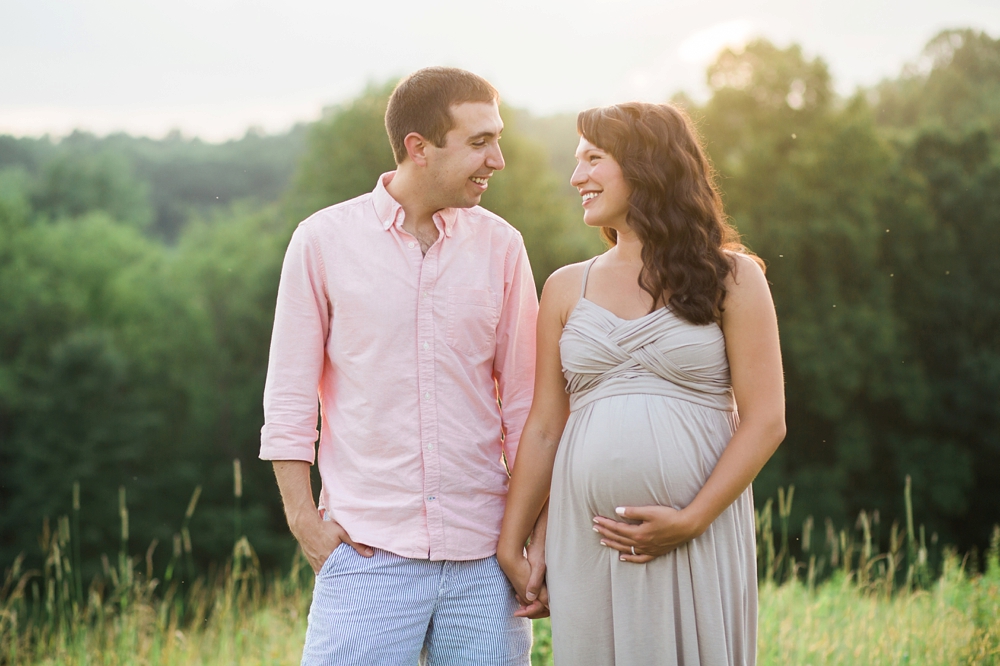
{"x":409,"y":354}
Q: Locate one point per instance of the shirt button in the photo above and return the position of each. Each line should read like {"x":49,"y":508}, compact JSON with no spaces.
{"x":431,"y":498}
{"x":425,"y":293}
{"x":430,"y":447}
{"x":426,"y":346}
{"x":411,"y":245}
{"x":427,"y":396}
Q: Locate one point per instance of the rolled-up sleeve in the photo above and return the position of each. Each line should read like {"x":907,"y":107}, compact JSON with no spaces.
{"x":295,"y":363}
{"x":514,"y":362}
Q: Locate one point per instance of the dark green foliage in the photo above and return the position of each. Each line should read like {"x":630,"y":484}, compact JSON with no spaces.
{"x":190,"y":178}
{"x":156,"y":185}
{"x":76,"y":183}
{"x":954,"y":316}
{"x":83,"y":395}
{"x":228,"y":267}
{"x":125,"y":363}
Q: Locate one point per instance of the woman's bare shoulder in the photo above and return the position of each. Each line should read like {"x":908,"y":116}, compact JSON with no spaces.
{"x":562,"y":288}
{"x":567,"y":277}
{"x":746,"y":283}
{"x":744,"y":266}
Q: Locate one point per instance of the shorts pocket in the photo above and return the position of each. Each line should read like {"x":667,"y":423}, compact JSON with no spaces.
{"x":473,"y":315}
{"x":328,"y":565}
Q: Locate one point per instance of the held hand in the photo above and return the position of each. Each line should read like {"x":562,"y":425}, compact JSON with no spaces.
{"x":535,"y":551}
{"x":521,"y":575}
{"x":536,"y":594}
{"x":321,"y":537}
{"x":660,"y":530}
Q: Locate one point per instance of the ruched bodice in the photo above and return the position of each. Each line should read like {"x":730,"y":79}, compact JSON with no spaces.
{"x":657,"y":354}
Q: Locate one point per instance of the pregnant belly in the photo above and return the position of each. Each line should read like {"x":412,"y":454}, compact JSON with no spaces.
{"x":635,"y":450}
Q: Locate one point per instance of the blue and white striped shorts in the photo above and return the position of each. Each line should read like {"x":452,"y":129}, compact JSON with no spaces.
{"x":388,"y":610}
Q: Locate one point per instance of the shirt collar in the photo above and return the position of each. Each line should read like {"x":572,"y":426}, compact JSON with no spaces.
{"x":390,"y":212}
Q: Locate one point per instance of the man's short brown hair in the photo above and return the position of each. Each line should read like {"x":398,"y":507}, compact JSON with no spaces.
{"x":422,"y":103}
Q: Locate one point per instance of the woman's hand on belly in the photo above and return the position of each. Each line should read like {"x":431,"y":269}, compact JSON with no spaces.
{"x":654,"y":531}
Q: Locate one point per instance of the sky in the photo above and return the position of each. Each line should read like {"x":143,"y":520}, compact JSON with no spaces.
{"x":214,"y":68}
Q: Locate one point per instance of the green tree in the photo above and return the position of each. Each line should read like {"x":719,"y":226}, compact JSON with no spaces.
{"x":953,"y":319}
{"x":829,"y":204}
{"x":76,"y":182}
{"x":77,"y":403}
{"x":878,"y":242}
{"x":227,"y":268}
{"x":955,"y":83}
{"x":346,"y":151}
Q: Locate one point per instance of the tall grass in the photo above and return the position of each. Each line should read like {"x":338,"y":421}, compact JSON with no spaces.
{"x":836,"y":598}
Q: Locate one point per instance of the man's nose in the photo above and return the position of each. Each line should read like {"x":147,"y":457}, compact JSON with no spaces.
{"x":494,"y":159}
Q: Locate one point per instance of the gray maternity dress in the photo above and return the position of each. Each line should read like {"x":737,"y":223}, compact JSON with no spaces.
{"x":651,"y":411}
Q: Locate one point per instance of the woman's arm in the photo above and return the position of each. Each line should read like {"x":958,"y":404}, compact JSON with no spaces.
{"x":532,"y":473}
{"x":751,"y":331}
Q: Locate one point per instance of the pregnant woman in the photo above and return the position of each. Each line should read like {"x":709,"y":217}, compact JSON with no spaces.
{"x":644,"y":354}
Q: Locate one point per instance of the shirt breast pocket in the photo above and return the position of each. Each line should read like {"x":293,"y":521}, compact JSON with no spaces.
{"x":473,"y":315}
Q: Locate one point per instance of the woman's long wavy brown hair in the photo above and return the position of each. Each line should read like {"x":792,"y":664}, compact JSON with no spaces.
{"x":674,"y":206}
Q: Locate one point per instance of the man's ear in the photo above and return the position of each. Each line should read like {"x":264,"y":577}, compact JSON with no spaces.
{"x":416,"y":148}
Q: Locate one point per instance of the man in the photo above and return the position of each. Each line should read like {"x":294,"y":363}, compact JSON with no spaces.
{"x":413,"y":311}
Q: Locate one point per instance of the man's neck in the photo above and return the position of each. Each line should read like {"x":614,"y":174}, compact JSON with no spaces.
{"x":406,"y":189}
{"x":418,"y":214}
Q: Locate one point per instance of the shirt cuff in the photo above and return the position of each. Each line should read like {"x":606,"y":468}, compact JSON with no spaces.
{"x":285,"y":443}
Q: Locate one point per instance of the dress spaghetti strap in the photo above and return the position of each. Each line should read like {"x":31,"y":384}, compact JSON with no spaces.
{"x":586,"y":274}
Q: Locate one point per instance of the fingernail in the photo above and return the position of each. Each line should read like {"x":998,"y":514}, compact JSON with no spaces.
{"x":530,"y":595}
{"x":603,"y":544}
{"x":622,"y":558}
{"x":620,"y":511}
{"x":596,"y":530}
{"x":595,"y":519}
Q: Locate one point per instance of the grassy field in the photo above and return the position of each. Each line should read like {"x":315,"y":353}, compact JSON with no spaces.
{"x":243,"y":620}
{"x":871,"y":608}
{"x":955,"y":622}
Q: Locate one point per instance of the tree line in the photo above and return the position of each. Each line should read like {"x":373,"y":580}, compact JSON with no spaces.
{"x":138,"y":278}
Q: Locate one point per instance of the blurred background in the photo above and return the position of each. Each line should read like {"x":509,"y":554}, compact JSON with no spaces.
{"x":155,"y":158}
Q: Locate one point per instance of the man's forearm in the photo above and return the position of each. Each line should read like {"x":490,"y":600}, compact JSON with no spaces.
{"x":295,"y":485}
